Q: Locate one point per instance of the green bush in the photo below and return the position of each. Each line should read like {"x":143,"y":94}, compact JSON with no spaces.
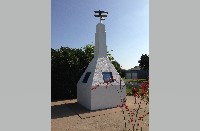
{"x":67,"y":66}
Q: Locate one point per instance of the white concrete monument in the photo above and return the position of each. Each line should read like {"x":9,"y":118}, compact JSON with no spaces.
{"x":100,"y":86}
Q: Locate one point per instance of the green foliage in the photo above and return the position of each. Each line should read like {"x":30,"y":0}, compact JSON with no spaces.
{"x":128,"y":90}
{"x":67,"y":66}
{"x":89,"y":51}
{"x":126,"y":80}
{"x":142,"y":89}
{"x":123,"y":73}
{"x":117,"y":66}
{"x":110,"y":56}
{"x":144,"y":62}
{"x":137,"y":80}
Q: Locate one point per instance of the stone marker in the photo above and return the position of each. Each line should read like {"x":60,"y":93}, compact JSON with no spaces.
{"x":100,"y":86}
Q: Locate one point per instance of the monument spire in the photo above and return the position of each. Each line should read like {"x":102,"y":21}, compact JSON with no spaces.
{"x":100,"y":49}
{"x":101,"y":15}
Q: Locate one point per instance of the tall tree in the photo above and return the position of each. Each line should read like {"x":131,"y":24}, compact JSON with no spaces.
{"x":144,"y":62}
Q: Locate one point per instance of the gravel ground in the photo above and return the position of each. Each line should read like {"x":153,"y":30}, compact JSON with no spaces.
{"x":67,"y":115}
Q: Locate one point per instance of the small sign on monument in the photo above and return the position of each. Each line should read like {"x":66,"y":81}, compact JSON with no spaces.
{"x":107,"y":77}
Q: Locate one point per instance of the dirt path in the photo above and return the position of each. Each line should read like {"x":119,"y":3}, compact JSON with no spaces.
{"x":68,"y":115}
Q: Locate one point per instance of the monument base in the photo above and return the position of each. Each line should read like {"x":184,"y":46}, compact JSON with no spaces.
{"x":96,"y":90}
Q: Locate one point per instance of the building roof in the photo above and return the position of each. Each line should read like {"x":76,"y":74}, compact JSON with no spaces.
{"x":135,"y":68}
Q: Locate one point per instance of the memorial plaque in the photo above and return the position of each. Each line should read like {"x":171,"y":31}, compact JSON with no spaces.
{"x":85,"y":79}
{"x":107,"y":76}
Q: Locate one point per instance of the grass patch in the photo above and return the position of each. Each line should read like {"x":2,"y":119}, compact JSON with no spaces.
{"x":126,"y":80}
{"x":128,"y":89}
{"x":129,"y":86}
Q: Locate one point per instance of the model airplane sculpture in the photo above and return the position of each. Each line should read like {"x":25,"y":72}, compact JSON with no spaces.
{"x":101,"y":15}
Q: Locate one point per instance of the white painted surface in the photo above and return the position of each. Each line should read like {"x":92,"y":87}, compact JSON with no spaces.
{"x":83,"y":89}
{"x":100,"y":49}
{"x":102,"y":97}
{"x":106,"y":97}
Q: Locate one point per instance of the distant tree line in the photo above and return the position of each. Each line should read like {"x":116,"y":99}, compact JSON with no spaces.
{"x":68,"y":65}
{"x":144,"y":62}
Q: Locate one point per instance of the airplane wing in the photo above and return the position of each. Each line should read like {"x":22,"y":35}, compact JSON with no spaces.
{"x":103,"y":15}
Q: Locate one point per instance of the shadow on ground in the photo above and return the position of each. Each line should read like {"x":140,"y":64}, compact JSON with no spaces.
{"x":60,"y":111}
{"x":70,"y":109}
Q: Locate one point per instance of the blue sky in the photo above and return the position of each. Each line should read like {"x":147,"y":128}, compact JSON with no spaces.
{"x":127,"y":26}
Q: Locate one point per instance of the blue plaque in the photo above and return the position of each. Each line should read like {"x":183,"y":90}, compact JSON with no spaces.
{"x":107,"y":76}
{"x":85,"y":79}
